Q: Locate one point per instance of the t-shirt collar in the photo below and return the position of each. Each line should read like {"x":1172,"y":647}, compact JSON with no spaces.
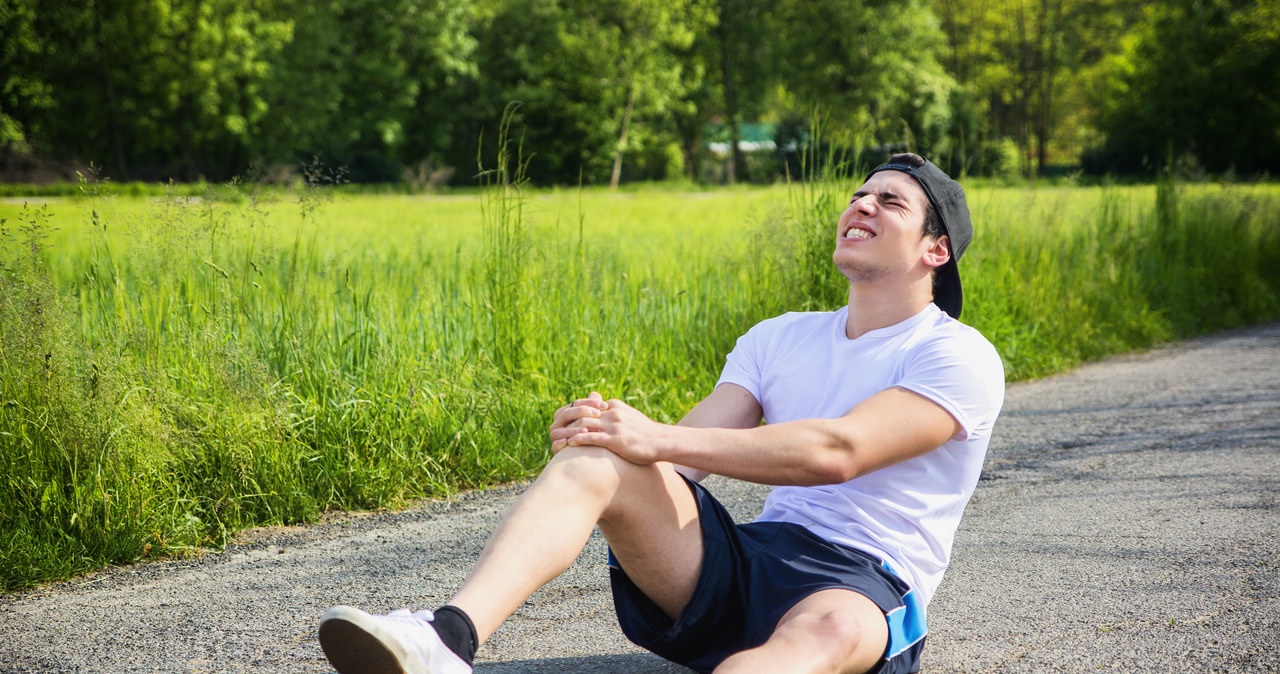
{"x":930,"y":312}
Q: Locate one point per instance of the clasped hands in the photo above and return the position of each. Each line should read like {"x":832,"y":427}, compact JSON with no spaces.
{"x":611,"y":424}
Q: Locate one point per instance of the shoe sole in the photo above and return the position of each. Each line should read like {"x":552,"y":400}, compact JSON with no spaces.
{"x":351,"y":640}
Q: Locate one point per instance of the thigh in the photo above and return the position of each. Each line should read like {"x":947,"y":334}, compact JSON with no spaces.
{"x":653,"y":530}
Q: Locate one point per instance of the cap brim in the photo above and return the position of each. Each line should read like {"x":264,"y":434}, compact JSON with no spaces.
{"x":947,"y":293}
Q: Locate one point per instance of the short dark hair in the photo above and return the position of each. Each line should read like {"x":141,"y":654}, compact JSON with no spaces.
{"x":932,"y":225}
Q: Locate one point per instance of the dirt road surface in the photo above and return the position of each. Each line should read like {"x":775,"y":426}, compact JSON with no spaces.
{"x":1127,"y":520}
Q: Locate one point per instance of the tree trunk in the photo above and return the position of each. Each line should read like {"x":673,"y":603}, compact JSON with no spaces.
{"x":232,"y":166}
{"x":184,"y":138}
{"x":114,"y":135}
{"x":186,"y":101}
{"x":1024,"y":91}
{"x":730,"y":100}
{"x":689,"y":147}
{"x":735,"y":157}
{"x":1050,"y":20}
{"x":622,"y":137}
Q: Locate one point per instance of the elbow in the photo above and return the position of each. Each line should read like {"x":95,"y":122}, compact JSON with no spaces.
{"x":827,"y":472}
{"x":837,"y":472}
{"x":837,"y":464}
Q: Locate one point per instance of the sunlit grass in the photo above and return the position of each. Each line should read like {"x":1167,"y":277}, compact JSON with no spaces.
{"x":176,"y":369}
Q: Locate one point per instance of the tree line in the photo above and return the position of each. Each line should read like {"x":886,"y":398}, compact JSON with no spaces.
{"x":615,"y":90}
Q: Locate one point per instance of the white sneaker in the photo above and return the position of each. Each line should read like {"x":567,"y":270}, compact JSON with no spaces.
{"x":398,"y":643}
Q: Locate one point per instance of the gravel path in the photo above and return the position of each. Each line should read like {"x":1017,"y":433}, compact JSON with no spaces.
{"x":1127,"y":520}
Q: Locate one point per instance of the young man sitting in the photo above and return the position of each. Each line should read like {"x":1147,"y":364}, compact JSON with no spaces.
{"x":878,"y":419}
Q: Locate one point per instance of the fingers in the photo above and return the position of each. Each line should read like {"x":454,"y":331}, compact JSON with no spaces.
{"x":593,"y":403}
{"x":594,"y":399}
{"x":587,"y":423}
{"x":570,"y":414}
{"x":606,"y":440}
{"x":578,"y":434}
{"x":580,"y":422}
{"x":590,"y":439}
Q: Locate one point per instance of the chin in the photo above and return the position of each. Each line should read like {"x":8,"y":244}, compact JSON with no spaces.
{"x":861,"y":273}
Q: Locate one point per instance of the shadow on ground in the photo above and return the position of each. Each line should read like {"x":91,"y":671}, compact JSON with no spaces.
{"x":633,"y":663}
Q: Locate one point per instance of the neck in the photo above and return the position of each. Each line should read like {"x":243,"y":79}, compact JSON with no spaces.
{"x":872,"y":308}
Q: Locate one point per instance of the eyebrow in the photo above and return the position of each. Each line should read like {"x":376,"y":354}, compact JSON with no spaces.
{"x":882,"y":196}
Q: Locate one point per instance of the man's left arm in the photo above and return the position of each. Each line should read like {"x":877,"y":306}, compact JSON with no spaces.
{"x":891,"y":426}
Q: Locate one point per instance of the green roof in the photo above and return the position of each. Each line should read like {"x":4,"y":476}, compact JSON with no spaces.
{"x":749,"y":132}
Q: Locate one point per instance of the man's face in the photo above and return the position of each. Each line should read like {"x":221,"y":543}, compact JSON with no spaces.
{"x":881,"y":232}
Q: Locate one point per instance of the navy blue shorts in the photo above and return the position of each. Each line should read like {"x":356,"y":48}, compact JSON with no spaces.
{"x":752,"y":574}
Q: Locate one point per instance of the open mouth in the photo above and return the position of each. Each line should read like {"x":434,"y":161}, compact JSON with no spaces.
{"x":858,"y":233}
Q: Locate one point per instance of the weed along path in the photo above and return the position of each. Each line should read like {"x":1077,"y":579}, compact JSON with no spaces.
{"x":1128,"y":520}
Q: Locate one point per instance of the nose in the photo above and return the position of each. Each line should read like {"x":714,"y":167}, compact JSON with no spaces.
{"x":864,"y":204}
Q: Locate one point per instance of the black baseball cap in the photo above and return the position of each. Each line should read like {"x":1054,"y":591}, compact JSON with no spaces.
{"x":947,"y":198}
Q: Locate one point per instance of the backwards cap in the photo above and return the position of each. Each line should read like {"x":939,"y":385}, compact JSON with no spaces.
{"x":947,"y":198}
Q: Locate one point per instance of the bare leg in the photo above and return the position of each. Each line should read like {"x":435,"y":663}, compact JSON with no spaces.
{"x":647,"y":513}
{"x":836,"y":631}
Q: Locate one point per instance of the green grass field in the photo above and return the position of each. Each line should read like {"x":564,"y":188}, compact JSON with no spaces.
{"x":176,"y":369}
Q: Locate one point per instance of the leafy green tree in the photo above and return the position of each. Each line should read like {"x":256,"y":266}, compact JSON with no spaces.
{"x":522,"y":57}
{"x":22,"y":89}
{"x":304,"y":90}
{"x":646,"y":38}
{"x":871,"y":66}
{"x":595,"y":80}
{"x":625,"y":89}
{"x":212,"y":83}
{"x":56,"y":69}
{"x":1028,"y":66}
{"x":1201,"y":80}
{"x":744,"y":62}
{"x":443,"y":60}
{"x":366,"y":83}
{"x":151,"y":86}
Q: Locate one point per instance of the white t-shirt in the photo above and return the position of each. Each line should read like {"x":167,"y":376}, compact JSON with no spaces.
{"x":803,"y":366}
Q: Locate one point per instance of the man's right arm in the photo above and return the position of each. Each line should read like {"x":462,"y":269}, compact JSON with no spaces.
{"x":728,"y":406}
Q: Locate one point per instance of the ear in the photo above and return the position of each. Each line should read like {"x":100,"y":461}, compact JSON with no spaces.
{"x":938,"y":252}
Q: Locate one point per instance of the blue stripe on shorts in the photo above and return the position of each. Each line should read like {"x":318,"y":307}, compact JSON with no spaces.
{"x":906,"y":623}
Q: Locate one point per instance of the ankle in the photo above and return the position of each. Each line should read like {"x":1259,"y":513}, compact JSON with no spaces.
{"x":456,"y":631}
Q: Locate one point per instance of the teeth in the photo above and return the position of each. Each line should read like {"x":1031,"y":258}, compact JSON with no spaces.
{"x":855,"y":233}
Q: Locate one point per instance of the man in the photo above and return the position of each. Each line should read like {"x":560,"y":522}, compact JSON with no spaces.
{"x":878,"y":418}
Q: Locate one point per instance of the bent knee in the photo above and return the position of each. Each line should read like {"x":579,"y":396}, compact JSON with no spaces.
{"x":835,"y":625}
{"x":834,"y":636}
{"x":595,"y":469}
{"x":841,"y":626}
{"x":621,"y":485}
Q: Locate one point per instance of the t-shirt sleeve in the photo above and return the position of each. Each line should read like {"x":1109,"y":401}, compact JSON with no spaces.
{"x":964,"y":375}
{"x":744,"y":365}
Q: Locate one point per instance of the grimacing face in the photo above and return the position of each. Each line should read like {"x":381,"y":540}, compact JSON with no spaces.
{"x":881,"y":230}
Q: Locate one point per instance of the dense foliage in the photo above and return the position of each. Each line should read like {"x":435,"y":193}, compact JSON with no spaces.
{"x":405,"y":90}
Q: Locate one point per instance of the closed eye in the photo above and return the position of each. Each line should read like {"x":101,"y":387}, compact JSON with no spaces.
{"x":885,"y":199}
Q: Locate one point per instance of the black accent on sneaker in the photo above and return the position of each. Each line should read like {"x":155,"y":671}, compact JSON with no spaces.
{"x":457,"y":631}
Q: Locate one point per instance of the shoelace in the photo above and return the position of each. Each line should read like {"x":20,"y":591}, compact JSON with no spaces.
{"x":419,"y":618}
{"x":417,"y":635}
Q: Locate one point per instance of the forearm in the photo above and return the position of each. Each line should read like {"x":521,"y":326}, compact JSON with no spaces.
{"x":728,"y":406}
{"x":808,"y":452}
{"x":891,"y":426}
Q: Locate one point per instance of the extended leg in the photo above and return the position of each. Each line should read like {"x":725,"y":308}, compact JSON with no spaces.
{"x":833,"y":631}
